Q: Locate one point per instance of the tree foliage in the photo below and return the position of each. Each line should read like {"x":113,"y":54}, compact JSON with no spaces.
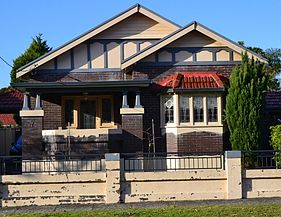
{"x":275,"y":137}
{"x":244,"y":104}
{"x":273,"y":55}
{"x":37,"y":48}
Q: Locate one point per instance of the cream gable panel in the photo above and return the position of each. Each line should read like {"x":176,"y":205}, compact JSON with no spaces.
{"x":195,"y":39}
{"x":137,"y":26}
{"x":183,"y":56}
{"x":97,"y":55}
{"x":130,"y":48}
{"x":236,"y":56}
{"x":113,"y":55}
{"x":64,"y":61}
{"x":80,"y":57}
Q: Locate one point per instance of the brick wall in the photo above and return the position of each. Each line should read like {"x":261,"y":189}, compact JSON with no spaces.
{"x":200,"y":142}
{"x":132,"y":125}
{"x":74,"y":76}
{"x":158,"y":73}
{"x":32,"y":136}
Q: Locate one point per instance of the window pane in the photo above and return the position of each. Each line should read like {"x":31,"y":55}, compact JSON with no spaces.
{"x":87,"y":114}
{"x":212,"y":105}
{"x":198,"y":109}
{"x":106,"y":111}
{"x":68,"y":112}
{"x":169,"y":109}
{"x":184,"y":109}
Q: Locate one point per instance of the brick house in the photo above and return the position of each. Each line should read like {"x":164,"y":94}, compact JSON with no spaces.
{"x":101,"y":91}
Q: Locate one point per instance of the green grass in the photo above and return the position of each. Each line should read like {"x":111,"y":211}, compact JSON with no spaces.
{"x":200,"y":211}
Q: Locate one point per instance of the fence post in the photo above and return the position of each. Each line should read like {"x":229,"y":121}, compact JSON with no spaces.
{"x":233,"y":174}
{"x":112,"y":165}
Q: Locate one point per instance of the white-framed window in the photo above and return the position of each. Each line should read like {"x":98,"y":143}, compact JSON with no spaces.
{"x":191,"y":109}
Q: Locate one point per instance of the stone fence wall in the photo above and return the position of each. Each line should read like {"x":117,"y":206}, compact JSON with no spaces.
{"x":113,"y":185}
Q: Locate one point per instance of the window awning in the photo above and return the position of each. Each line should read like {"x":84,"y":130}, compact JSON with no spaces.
{"x":194,"y":80}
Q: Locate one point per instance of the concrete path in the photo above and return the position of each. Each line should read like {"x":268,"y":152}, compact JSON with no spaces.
{"x":60,"y":208}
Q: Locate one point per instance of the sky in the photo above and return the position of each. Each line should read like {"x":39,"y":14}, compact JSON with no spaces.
{"x":256,"y":22}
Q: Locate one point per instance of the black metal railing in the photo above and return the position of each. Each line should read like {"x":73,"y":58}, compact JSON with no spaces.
{"x":10,"y":165}
{"x":261,"y":159}
{"x":171,"y":161}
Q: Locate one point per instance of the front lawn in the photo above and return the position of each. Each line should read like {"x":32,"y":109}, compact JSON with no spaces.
{"x":200,"y":211}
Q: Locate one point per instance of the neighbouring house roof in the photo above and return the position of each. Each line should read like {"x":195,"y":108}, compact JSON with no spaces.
{"x":193,"y":80}
{"x":94,"y":31}
{"x":10,"y":101}
{"x":183,"y":31}
{"x":7,"y":120}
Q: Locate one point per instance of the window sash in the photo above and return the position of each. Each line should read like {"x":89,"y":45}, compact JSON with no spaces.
{"x":198,"y":109}
{"x":169,"y":109}
{"x":212,"y":109}
{"x":184,"y":109}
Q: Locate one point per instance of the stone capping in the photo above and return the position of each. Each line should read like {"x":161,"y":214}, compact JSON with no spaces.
{"x":31,"y":113}
{"x":112,"y":156}
{"x":131,"y":111}
{"x":233,"y":154}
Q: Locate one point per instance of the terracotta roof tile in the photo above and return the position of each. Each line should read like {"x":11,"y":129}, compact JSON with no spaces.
{"x":193,"y":80}
{"x":10,"y":101}
{"x":7,"y":120}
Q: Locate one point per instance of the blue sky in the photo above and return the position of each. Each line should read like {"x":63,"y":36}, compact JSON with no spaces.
{"x":256,"y":22}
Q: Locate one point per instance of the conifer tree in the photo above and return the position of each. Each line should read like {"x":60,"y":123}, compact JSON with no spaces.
{"x":244,"y":104}
{"x":37,"y":48}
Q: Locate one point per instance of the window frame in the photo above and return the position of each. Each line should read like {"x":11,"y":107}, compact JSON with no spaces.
{"x":76,"y":111}
{"x":191,"y":123}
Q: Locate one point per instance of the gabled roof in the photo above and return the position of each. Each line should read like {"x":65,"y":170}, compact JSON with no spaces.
{"x":183,"y":31}
{"x":94,"y":31}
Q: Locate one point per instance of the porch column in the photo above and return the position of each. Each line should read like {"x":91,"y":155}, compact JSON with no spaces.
{"x":38,"y":103}
{"x":125,"y":100}
{"x":32,"y":125}
{"x":25,"y":105}
{"x":137,"y":101}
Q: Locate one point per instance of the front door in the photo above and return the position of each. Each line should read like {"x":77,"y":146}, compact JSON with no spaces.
{"x":88,"y":114}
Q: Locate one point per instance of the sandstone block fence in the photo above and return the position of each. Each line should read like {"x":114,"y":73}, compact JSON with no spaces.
{"x":113,"y":184}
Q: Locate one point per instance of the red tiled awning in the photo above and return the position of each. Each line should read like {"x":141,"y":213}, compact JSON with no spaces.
{"x":7,"y":120}
{"x":193,"y":80}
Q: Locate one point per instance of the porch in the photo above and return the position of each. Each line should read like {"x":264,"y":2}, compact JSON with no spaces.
{"x":79,"y":120}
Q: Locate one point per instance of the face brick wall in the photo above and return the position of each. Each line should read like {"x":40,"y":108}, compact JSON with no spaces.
{"x":32,"y":136}
{"x":132,"y":126}
{"x":74,"y":77}
{"x":200,"y":142}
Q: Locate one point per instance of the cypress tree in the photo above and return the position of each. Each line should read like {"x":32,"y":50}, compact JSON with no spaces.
{"x":37,"y":48}
{"x":245,"y":102}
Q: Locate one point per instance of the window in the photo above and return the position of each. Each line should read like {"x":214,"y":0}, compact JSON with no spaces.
{"x":190,"y":110}
{"x":212,"y":106}
{"x":169,"y":109}
{"x":87,"y":114}
{"x":184,"y":109}
{"x":69,"y":109}
{"x":198,"y":109}
{"x":106,"y":116}
{"x":91,"y":112}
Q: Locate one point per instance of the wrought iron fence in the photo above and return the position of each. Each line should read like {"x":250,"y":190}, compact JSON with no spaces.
{"x":171,"y":161}
{"x":261,"y":159}
{"x":10,"y":165}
